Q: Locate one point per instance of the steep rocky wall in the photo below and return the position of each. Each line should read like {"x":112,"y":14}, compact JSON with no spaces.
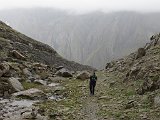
{"x":34,"y":50}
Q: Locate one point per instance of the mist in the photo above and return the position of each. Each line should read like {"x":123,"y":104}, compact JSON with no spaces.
{"x":83,"y":6}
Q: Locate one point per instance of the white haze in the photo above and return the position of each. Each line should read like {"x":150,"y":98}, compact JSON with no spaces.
{"x":81,"y":6}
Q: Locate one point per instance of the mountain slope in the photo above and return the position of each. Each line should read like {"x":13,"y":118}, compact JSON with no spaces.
{"x":91,"y":38}
{"x":143,"y":65}
{"x":32,"y":49}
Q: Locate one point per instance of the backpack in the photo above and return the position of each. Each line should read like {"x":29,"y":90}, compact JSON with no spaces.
{"x":94,"y":78}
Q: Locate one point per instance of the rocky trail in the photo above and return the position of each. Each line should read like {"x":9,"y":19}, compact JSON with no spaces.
{"x":91,"y":108}
{"x":91,"y":105}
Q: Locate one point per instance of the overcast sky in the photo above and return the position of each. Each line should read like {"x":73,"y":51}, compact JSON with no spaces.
{"x":86,"y":5}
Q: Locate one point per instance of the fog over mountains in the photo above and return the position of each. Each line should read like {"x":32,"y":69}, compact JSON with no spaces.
{"x":93,"y":38}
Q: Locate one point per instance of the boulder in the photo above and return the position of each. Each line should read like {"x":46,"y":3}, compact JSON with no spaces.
{"x":36,"y":76}
{"x":64,"y":73}
{"x":16,"y":85}
{"x":59,"y":67}
{"x":134,"y":71}
{"x":40,"y":65}
{"x":140,"y":53}
{"x":108,"y":65}
{"x":15,"y":66}
{"x":4,"y":88}
{"x":130,"y":104}
{"x":83,"y":75}
{"x":155,"y":39}
{"x":17,"y":55}
{"x":53,"y":84}
{"x":56,"y":79}
{"x":41,"y":82}
{"x":26,"y":72}
{"x":32,"y":93}
{"x":4,"y":68}
{"x":30,"y":115}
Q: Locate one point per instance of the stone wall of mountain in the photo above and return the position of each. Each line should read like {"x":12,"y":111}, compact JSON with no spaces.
{"x":91,"y":38}
{"x":13,"y":43}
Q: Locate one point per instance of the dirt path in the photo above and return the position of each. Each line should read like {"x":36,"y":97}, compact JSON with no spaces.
{"x":90,"y":109}
{"x":91,"y":106}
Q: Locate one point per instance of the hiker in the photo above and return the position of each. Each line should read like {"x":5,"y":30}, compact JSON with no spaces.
{"x":92,"y":84}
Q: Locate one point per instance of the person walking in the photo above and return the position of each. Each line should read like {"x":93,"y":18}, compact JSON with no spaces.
{"x":92,"y":84}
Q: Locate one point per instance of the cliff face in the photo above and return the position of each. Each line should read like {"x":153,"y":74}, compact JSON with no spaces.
{"x":32,"y":49}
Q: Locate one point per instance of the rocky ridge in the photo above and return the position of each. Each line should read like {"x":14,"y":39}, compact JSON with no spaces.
{"x":33,"y":50}
{"x":142,"y":65}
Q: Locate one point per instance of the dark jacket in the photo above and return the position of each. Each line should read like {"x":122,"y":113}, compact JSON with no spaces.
{"x":93,"y":78}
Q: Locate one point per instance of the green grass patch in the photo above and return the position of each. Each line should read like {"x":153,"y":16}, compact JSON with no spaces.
{"x":67,"y":107}
{"x":130,"y":92}
{"x":28,"y":85}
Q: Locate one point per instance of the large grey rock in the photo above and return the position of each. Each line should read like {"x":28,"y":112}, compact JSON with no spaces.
{"x":5,"y":88}
{"x":140,"y":53}
{"x":41,"y":82}
{"x":59,"y":67}
{"x":83,"y":75}
{"x":17,"y":55}
{"x":40,"y":65}
{"x":26,"y":72}
{"x":4,"y":68}
{"x":134,"y":70}
{"x":129,"y":105}
{"x":56,"y":79}
{"x":109,"y":65}
{"x":16,"y":85}
{"x":155,"y":39}
{"x":32,"y":93}
{"x":30,"y":115}
{"x":64,"y":73}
